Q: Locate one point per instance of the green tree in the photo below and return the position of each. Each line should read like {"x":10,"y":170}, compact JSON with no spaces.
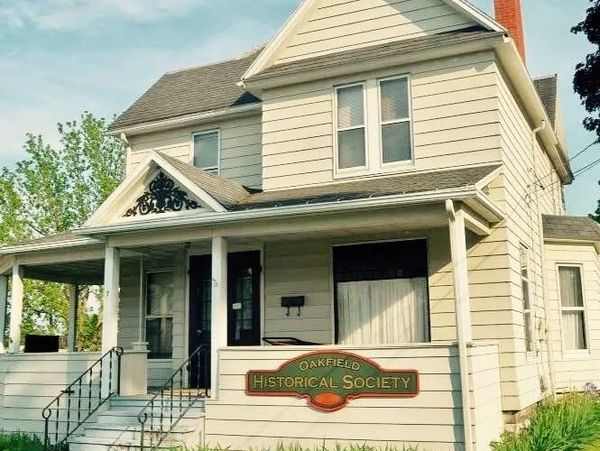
{"x":54,"y":190}
{"x":596,"y":215}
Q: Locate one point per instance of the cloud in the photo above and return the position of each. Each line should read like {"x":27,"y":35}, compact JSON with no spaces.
{"x":75,"y":15}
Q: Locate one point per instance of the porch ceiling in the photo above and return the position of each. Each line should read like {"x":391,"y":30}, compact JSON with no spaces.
{"x":89,"y":272}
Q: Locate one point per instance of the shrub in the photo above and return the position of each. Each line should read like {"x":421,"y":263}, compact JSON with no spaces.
{"x":567,"y":424}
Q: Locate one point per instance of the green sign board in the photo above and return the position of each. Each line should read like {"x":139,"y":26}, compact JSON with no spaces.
{"x":328,"y":380}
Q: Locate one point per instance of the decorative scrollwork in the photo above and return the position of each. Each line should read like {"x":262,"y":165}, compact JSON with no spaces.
{"x":162,"y":196}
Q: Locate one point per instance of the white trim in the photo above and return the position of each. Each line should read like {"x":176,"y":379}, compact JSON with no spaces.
{"x":33,"y":247}
{"x":182,"y":121}
{"x":286,"y":211}
{"x":306,"y":6}
{"x":216,"y":168}
{"x":573,"y":353}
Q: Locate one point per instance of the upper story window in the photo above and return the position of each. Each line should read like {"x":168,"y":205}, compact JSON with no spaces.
{"x":373,"y":125}
{"x":207,"y":150}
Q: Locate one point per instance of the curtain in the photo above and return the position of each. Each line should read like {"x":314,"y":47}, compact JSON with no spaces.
{"x":383,"y":311}
{"x":571,"y":294}
{"x":571,"y":298}
{"x":573,"y":330}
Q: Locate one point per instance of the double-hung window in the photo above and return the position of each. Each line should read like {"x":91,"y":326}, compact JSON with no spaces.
{"x":572,"y":308}
{"x":207,"y":151}
{"x":159,"y":314}
{"x":373,"y":125}
{"x":525,"y":290}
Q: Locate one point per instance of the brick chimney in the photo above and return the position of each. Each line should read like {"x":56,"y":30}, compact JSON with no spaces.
{"x":510,"y":15}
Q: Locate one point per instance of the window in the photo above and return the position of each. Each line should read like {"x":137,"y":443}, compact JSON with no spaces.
{"x":381,"y":293}
{"x":206,"y":151}
{"x":351,"y":133}
{"x":395,"y":120}
{"x":373,"y":125}
{"x":527,"y":319}
{"x":572,"y":308}
{"x":159,"y":314}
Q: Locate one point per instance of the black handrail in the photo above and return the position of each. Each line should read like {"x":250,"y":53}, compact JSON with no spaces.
{"x":173,"y":400}
{"x":82,"y":388}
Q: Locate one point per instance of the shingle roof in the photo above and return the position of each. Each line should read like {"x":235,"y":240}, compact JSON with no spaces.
{"x":547,"y":88}
{"x":191,"y":91}
{"x":234,"y":196}
{"x":377,"y":52}
{"x":579,"y":228}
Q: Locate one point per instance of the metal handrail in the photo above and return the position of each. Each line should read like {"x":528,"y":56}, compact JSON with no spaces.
{"x":167,"y":406}
{"x":83,"y":388}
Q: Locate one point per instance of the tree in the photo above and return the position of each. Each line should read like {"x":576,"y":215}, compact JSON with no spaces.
{"x":587,"y":74}
{"x":596,"y":215}
{"x":54,"y":190}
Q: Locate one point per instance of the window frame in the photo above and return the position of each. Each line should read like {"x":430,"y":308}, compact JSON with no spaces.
{"x":528,"y":317}
{"x":337,"y":130}
{"x":147,"y":316}
{"x":382,"y":123}
{"x":210,"y":170}
{"x":583,"y":309}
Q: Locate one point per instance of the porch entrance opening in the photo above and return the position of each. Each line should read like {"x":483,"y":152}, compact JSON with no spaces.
{"x":243,"y":310}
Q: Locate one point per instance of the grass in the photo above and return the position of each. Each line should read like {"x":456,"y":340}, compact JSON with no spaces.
{"x":23,"y":442}
{"x":568,"y":424}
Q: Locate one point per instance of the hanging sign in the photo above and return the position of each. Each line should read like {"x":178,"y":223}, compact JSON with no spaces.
{"x":328,"y":380}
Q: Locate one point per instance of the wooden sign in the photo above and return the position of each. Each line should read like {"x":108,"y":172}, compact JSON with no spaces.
{"x":328,"y":380}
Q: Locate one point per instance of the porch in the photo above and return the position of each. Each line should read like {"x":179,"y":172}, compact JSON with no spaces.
{"x":302,"y":279}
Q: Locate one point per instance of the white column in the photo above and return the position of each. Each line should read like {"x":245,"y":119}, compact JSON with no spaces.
{"x":73,"y":314}
{"x":219,"y":308}
{"x":110,"y":316}
{"x":16,"y":309}
{"x":458,"y":246}
{"x":3,"y":301}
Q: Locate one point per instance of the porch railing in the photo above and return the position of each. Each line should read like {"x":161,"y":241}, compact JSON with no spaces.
{"x":186,"y":386}
{"x":80,"y":400}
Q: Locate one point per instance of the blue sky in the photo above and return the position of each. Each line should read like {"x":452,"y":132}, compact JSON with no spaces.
{"x":61,"y":57}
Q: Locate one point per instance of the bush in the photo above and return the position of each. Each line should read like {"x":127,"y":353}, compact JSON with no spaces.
{"x":23,"y":442}
{"x":567,"y":424}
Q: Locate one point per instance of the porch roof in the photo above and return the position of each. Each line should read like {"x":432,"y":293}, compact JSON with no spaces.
{"x":571,"y":228}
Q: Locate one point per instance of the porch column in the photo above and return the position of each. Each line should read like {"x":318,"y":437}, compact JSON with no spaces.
{"x":3,"y":301}
{"x":16,"y":309}
{"x":458,"y":246}
{"x":219,"y":307}
{"x":73,"y":314}
{"x":110,"y":316}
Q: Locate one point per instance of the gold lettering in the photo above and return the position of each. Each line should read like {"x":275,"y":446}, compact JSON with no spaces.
{"x":313,"y":382}
{"x":406,"y":381}
{"x":257,"y":381}
{"x":289,"y":382}
{"x":371,"y":382}
{"x":347,"y":382}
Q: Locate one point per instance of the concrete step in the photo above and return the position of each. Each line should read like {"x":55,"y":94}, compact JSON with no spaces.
{"x":133,"y":432}
{"x":98,"y":444}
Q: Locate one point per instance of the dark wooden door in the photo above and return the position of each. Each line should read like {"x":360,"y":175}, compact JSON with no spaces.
{"x":243,"y":310}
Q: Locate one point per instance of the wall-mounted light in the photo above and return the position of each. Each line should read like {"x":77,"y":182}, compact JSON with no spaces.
{"x":289,"y":302}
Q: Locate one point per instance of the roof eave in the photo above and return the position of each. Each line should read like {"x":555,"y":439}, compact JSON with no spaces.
{"x":183,"y":121}
{"x":489,"y":211}
{"x":595,"y":243}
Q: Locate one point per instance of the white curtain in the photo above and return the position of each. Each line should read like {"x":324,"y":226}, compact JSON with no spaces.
{"x":383,"y":311}
{"x":573,"y":315}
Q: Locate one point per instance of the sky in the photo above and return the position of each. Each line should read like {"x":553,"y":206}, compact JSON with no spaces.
{"x":59,"y":58}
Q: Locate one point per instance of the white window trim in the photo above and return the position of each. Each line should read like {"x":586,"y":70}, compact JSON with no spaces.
{"x":146,"y":316}
{"x":193,"y":147}
{"x":409,"y":119}
{"x":573,"y":353}
{"x":358,"y":170}
{"x":373,"y":126}
{"x":530,"y":311}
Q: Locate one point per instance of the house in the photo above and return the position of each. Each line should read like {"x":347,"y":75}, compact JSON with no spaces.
{"x":354,"y":234}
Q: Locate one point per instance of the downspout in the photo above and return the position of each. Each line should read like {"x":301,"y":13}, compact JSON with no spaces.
{"x":547,"y":325}
{"x":462,"y":334}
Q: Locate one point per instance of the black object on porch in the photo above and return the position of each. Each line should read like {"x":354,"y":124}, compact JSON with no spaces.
{"x":81,"y":399}
{"x":173,"y":400}
{"x":288,"y":341}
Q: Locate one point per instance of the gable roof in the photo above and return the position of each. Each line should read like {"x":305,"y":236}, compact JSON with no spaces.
{"x":547,"y":88}
{"x":306,"y":6}
{"x":577,"y":228}
{"x":376,"y":52}
{"x":190,"y":91}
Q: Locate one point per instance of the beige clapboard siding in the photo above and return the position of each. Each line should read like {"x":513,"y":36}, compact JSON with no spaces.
{"x":455,"y":120}
{"x":32,"y":381}
{"x":523,"y":222}
{"x":239,"y":421}
{"x":240,"y":147}
{"x":333,"y":26}
{"x":305,"y":268}
{"x":574,"y":370}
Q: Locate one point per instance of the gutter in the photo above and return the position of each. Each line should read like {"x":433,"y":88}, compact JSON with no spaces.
{"x":21,"y":249}
{"x":182,"y":121}
{"x":230,"y":217}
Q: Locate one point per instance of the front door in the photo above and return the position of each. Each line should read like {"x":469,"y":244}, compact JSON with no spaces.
{"x":243,"y":311}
